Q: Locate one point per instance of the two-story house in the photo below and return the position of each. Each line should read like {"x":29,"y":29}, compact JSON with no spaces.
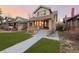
{"x":43,"y":18}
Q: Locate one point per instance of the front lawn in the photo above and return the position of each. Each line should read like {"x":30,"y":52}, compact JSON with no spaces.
{"x":45,"y":46}
{"x":9,"y":39}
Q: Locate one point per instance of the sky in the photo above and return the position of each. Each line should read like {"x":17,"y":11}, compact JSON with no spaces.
{"x":26,"y":10}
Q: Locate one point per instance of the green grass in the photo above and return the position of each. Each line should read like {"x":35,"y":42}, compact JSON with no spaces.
{"x":9,"y":39}
{"x":45,"y":46}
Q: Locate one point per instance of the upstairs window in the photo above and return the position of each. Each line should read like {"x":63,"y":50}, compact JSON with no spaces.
{"x":44,"y":12}
{"x":38,"y":14}
{"x":41,"y":13}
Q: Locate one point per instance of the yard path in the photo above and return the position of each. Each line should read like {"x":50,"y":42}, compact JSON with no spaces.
{"x":23,"y":46}
{"x":53,"y":36}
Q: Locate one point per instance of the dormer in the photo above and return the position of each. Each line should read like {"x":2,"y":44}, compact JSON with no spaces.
{"x":42,"y":11}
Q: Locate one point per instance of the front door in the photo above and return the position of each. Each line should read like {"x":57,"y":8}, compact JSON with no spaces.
{"x":42,"y":24}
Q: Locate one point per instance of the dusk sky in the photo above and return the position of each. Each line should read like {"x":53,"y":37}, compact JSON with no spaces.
{"x":25,"y":10}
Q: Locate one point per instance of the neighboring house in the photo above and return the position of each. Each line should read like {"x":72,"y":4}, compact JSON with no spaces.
{"x":1,"y":19}
{"x":72,"y":23}
{"x":65,"y":22}
{"x":21,"y":23}
{"x":43,"y":18}
{"x":14,"y":24}
{"x":9,"y":24}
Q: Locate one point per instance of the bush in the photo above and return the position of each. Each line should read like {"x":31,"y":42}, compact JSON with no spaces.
{"x":60,"y":27}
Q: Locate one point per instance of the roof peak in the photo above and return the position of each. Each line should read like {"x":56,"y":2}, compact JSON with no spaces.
{"x":41,"y":6}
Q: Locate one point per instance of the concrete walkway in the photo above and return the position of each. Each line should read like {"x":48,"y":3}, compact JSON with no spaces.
{"x":23,"y":46}
{"x":53,"y":36}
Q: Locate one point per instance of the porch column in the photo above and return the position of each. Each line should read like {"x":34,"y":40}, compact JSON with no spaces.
{"x":50,"y":25}
{"x":43,"y":24}
{"x":33,"y":25}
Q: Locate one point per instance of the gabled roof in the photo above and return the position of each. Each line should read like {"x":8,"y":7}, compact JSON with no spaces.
{"x":42,"y":7}
{"x":10,"y":19}
{"x":41,"y":18}
{"x":72,"y":18}
{"x":21,"y":19}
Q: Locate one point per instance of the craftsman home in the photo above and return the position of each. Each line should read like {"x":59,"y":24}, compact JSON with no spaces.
{"x":43,"y":18}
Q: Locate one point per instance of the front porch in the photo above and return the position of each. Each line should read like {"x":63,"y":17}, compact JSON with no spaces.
{"x":40,"y":24}
{"x":46,"y":24}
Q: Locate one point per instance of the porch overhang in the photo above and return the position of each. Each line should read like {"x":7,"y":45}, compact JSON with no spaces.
{"x":48,"y":17}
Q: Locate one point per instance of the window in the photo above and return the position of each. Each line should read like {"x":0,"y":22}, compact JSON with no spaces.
{"x":38,"y":14}
{"x":44,"y":12}
{"x":10,"y":24}
{"x":41,"y":13}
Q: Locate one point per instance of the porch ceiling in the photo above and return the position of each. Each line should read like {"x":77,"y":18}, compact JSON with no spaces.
{"x":41,"y":18}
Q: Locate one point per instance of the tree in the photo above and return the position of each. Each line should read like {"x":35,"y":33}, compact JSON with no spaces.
{"x":1,"y":20}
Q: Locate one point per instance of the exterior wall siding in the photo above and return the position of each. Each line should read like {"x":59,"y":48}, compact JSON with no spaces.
{"x":72,"y":26}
